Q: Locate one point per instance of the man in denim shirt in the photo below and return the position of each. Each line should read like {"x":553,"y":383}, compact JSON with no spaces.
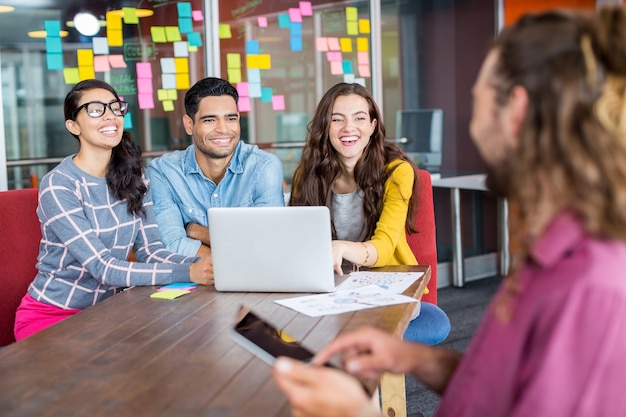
{"x":217,"y":170}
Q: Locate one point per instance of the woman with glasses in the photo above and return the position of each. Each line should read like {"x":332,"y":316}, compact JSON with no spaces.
{"x":94,"y":208}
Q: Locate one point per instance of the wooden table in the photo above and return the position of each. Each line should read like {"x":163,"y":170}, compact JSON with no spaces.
{"x":132,"y":355}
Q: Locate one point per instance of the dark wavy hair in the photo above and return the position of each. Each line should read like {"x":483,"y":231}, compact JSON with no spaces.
{"x":320,"y":165}
{"x":206,"y":87}
{"x":125,"y":172}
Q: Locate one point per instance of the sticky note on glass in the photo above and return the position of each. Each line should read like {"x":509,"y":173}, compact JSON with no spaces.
{"x":117,"y":61}
{"x":54,"y":61}
{"x":130,"y":15}
{"x":128,"y":121}
{"x":252,"y":47}
{"x":168,"y":105}
{"x":254,"y":75}
{"x":261,"y":61}
{"x":168,"y":81}
{"x":262,"y":21}
{"x":255,"y":90}
{"x":144,"y":85}
{"x":181,"y":65}
{"x":184,"y":9}
{"x":333,"y":44}
{"x":169,"y":294}
{"x":363,"y":58}
{"x":346,"y":44}
{"x":86,"y":73}
{"x":234,"y":75}
{"x":294,"y":15}
{"x":114,"y":21}
{"x":242,"y":89}
{"x":181,"y":49}
{"x":244,"y":104}
{"x":266,"y":95}
{"x":144,"y":70}
{"x":347,"y":67}
{"x":224,"y":32}
{"x":233,"y":60}
{"x":194,"y":39}
{"x":70,"y":75}
{"x":352,"y":14}
{"x":52,"y":27}
{"x":364,"y":26}
{"x":182,"y":81}
{"x":185,"y":24}
{"x":54,"y":45}
{"x":172,"y":34}
{"x":146,"y":101}
{"x":321,"y":44}
{"x":352,"y":28}
{"x":196,"y":15}
{"x":295,"y":29}
{"x":84,"y":57}
{"x":295,"y":43}
{"x":305,"y":8}
{"x":364,"y":70}
{"x":158,"y":34}
{"x":362,"y":45}
{"x":168,"y":66}
{"x":101,"y":63}
{"x":283,"y":21}
{"x":278,"y":102}
{"x":336,"y":67}
{"x":100,"y":46}
{"x":114,"y":37}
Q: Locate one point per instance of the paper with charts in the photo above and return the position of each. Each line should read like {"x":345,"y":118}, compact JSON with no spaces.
{"x":362,"y":291}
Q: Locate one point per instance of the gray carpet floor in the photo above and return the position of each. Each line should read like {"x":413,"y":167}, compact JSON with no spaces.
{"x":465,"y":308}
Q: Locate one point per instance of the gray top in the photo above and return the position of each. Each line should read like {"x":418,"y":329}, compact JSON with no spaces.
{"x":347,"y":212}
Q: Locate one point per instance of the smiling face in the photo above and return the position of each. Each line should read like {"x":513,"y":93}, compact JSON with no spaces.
{"x":215,"y":130}
{"x":350,"y":127}
{"x":103,"y":132}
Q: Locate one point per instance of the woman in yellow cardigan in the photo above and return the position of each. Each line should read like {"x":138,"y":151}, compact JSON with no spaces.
{"x":368,"y":184}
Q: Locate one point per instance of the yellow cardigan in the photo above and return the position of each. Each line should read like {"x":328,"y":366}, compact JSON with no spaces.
{"x":390,"y":234}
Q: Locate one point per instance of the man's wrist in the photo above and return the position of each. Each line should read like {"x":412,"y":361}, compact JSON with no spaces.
{"x":188,"y":228}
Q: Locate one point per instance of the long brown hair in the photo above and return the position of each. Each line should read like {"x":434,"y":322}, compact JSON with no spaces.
{"x":320,"y":165}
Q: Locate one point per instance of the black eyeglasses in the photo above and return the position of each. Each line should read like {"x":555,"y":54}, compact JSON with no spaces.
{"x":96,"y":109}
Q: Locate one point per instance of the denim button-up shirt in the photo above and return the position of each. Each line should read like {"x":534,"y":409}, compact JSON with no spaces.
{"x":182,"y":194}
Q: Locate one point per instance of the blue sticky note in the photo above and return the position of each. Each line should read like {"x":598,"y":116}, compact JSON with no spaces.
{"x":295,"y":42}
{"x":266,"y":95}
{"x":254,"y":75}
{"x":254,"y":89}
{"x":54,"y":44}
{"x":252,"y":47}
{"x":295,"y":29}
{"x":54,"y":61}
{"x":128,"y":121}
{"x":178,"y":286}
{"x":185,"y":24}
{"x":194,"y":39}
{"x":283,"y":21}
{"x":53,"y":27}
{"x":184,"y":9}
{"x":347,"y":67}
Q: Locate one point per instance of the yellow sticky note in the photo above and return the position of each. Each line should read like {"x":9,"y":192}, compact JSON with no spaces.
{"x":85,"y":57}
{"x":182,"y":81}
{"x":233,"y":60}
{"x":352,"y":14}
{"x":130,"y":15}
{"x":364,"y":26}
{"x":172,"y":94}
{"x":172,"y":33}
{"x":114,"y":37}
{"x":161,"y":94}
{"x":169,"y":294}
{"x":158,"y":34}
{"x":362,"y":45}
{"x":70,"y":75}
{"x":86,"y":73}
{"x":260,"y":61}
{"x":168,"y":105}
{"x":181,"y":65}
{"x":193,"y":48}
{"x":352,"y":28}
{"x":114,"y":21}
{"x":225,"y":32}
{"x":346,"y":44}
{"x":234,"y":75}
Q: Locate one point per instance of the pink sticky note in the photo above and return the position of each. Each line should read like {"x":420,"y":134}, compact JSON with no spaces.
{"x":364,"y":70}
{"x":363,"y":58}
{"x":294,"y":15}
{"x":144,"y":70}
{"x":146,"y":101}
{"x":336,"y":67}
{"x":101,"y":63}
{"x":321,"y":44}
{"x":278,"y":102}
{"x":262,"y":21}
{"x":117,"y":61}
{"x":244,"y":104}
{"x":243,"y":89}
{"x":334,"y":56}
{"x":144,"y":85}
{"x":196,"y":15}
{"x":333,"y":44}
{"x":306,"y":9}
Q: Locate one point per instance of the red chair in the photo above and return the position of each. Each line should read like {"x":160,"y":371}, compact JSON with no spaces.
{"x":424,"y":242}
{"x":19,"y":247}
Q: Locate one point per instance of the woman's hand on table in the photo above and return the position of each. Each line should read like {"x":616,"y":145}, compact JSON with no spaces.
{"x":201,"y":271}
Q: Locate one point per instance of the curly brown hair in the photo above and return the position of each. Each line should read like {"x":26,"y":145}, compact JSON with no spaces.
{"x":320,"y":165}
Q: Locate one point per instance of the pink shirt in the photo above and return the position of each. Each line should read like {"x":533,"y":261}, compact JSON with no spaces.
{"x":564,"y":351}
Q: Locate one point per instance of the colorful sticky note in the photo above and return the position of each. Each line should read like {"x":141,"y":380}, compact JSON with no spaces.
{"x":364,"y":26}
{"x":84,"y":57}
{"x":363,"y":58}
{"x":352,"y":14}
{"x":182,"y":81}
{"x":360,"y":81}
{"x":52,"y":27}
{"x":172,"y":33}
{"x":184,"y":9}
{"x":144,"y":85}
{"x":294,"y":15}
{"x":168,"y":81}
{"x":295,"y":43}
{"x":234,"y":75}
{"x":255,"y":90}
{"x":196,"y":15}
{"x":348,"y":78}
{"x":244,"y":104}
{"x":114,"y":21}
{"x":100,"y":46}
{"x":346,"y":44}
{"x":254,"y":75}
{"x":181,"y":49}
{"x":158,"y":34}
{"x":161,"y":94}
{"x":86,"y":73}
{"x":194,"y":39}
{"x":283,"y":21}
{"x":168,"y":66}
{"x":364,"y":70}
{"x":185,"y":24}
{"x":54,"y":61}
{"x":128,"y":121}
{"x":305,"y":8}
{"x":321,"y":44}
{"x":261,"y":61}
{"x":130,"y":15}
{"x":362,"y":45}
{"x":334,"y":56}
{"x":233,"y":60}
{"x":179,"y":286}
{"x":181,"y":65}
{"x":172,"y":94}
{"x":252,"y":47}
{"x":144,"y":70}
{"x":242,"y":89}
{"x":347,"y":67}
{"x":262,"y":21}
{"x":224,"y":31}
{"x":54,"y":44}
{"x":168,"y":105}
{"x":352,"y":28}
{"x":333,"y":44}
{"x":101,"y":63}
{"x":336,"y":67}
{"x":117,"y":61}
{"x":266,"y":95}
{"x":169,"y":294}
{"x":70,"y":75}
{"x":114,"y":37}
{"x":278,"y":102}
{"x":295,"y":29}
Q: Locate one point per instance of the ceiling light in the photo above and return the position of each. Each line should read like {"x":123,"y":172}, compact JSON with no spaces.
{"x":44,"y":34}
{"x":86,"y":24}
{"x":6,"y":9}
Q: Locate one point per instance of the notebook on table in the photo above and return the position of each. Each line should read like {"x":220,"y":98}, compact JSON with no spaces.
{"x":272,"y":249}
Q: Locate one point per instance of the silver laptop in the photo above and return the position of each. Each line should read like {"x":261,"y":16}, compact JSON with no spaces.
{"x":272,"y":249}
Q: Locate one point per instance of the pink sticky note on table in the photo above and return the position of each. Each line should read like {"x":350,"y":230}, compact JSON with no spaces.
{"x":244,"y":104}
{"x":278,"y":102}
{"x":306,"y":9}
{"x":294,"y":15}
{"x":262,"y":21}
